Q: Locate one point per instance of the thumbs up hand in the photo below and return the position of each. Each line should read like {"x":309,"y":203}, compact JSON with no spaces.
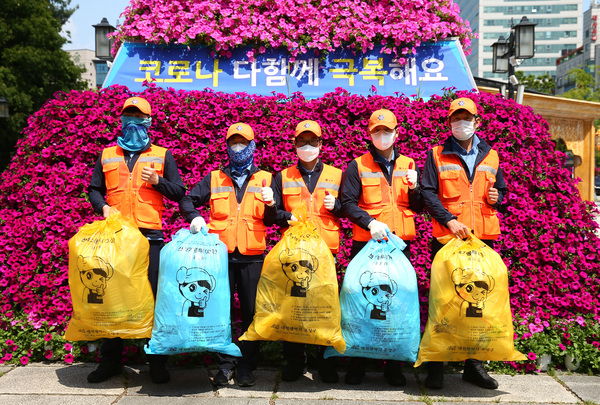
{"x":492,"y":193}
{"x":267,"y":194}
{"x":329,"y":201}
{"x":411,"y":176}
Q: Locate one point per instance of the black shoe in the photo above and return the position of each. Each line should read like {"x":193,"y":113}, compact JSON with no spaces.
{"x":104,"y":371}
{"x":244,"y":377}
{"x":159,"y":373}
{"x":393,"y":374}
{"x":291,"y":373}
{"x":328,"y":375}
{"x":435,"y":375}
{"x":221,"y":379}
{"x":354,"y":376}
{"x":476,"y":374}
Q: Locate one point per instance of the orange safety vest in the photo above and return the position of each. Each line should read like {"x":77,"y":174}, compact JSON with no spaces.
{"x":238,"y":225}
{"x":127,"y":192}
{"x":384,"y":203}
{"x":465,"y":200}
{"x":294,"y":191}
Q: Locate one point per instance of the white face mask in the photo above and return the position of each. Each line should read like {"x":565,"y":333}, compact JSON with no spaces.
{"x":308,"y":153}
{"x":383,"y":139}
{"x":463,"y":130}
{"x":238,"y":147}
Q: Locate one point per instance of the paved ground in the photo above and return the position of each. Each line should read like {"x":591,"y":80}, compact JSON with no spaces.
{"x":66,"y":385}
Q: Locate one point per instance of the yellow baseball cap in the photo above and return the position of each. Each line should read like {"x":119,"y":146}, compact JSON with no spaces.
{"x":240,"y":129}
{"x":308,"y":126}
{"x":462,"y":104}
{"x":383,"y":117}
{"x":139,"y":103}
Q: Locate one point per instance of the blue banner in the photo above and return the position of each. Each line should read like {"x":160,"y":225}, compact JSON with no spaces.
{"x":434,"y":67}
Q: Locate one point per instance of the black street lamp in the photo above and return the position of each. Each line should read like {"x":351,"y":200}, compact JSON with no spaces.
{"x":103,"y":43}
{"x":4,"y":108}
{"x":520,"y":45}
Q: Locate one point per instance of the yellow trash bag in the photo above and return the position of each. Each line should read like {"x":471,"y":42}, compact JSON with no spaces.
{"x":108,"y":278}
{"x":297,"y":297}
{"x":469,"y":307}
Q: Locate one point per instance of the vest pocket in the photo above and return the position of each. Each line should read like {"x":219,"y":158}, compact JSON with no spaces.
{"x":220,"y":228}
{"x":148,"y":209}
{"x":371,"y":190}
{"x":491,"y":223}
{"x":408,"y":223}
{"x":219,"y":205}
{"x":292,"y":197}
{"x":449,"y":183}
{"x":255,"y":235}
{"x":111,"y":176}
{"x":258,"y":207}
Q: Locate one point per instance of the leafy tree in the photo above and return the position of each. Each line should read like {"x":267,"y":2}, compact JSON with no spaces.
{"x":586,"y":86}
{"x":32,"y":64}
{"x":543,"y":83}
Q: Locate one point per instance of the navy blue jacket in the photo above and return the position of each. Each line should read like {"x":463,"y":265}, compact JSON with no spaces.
{"x":431,"y":183}
{"x":200,"y":196}
{"x":352,"y":190}
{"x":276,"y":214}
{"x":170,"y":185}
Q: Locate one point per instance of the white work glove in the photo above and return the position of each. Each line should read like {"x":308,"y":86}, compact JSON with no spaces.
{"x":267,"y":195}
{"x":197,"y":224}
{"x":411,"y":177}
{"x":329,"y":202}
{"x":378,"y":230}
{"x":293,"y":218}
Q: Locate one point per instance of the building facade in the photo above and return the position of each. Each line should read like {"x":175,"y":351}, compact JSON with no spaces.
{"x":586,"y":57}
{"x":84,"y":58}
{"x":95,"y":69}
{"x":558,"y":31}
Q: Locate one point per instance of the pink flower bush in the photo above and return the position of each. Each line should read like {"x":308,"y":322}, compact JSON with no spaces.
{"x":297,"y":25}
{"x":548,"y":240}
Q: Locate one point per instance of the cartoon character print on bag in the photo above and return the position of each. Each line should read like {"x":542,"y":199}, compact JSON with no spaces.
{"x":378,"y":289}
{"x":195,"y":284}
{"x":94,"y":273}
{"x":473,"y":288}
{"x":299,"y":266}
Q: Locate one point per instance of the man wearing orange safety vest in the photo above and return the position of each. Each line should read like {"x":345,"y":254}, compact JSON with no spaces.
{"x":381,"y":193}
{"x":236,"y":215}
{"x":317,"y":185}
{"x":463,"y":186}
{"x":135,"y":176}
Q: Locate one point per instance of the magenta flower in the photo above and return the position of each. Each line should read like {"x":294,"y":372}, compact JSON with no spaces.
{"x":531,"y":356}
{"x":69,"y":358}
{"x":24,"y":360}
{"x":48,"y":337}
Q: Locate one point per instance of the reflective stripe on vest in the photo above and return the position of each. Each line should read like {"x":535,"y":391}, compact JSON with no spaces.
{"x":464,"y":200}
{"x":382,"y":202}
{"x":294,"y":192}
{"x":238,"y":225}
{"x":127,"y":192}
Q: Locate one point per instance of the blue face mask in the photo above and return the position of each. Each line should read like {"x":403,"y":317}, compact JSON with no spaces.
{"x":135,"y":133}
{"x":242,"y":159}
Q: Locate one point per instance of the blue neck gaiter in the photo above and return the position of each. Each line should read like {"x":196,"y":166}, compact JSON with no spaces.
{"x":243,"y":159}
{"x":135,"y":133}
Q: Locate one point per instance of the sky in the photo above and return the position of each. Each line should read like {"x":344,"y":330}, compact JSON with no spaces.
{"x":92,"y":12}
{"x":88,"y":14}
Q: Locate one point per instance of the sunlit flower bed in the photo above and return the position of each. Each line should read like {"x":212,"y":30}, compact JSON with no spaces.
{"x":398,"y":25}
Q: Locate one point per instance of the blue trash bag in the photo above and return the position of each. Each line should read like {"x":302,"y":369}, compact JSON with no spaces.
{"x":380,"y":304}
{"x":192,"y":312}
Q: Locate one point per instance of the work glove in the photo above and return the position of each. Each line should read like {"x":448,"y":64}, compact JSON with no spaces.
{"x":411,"y":177}
{"x":329,"y":202}
{"x":378,"y":230}
{"x":197,"y":224}
{"x":267,"y":195}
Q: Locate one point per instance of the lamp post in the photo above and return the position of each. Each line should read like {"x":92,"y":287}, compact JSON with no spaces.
{"x":520,"y":45}
{"x":103,"y":43}
{"x":4,"y":108}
